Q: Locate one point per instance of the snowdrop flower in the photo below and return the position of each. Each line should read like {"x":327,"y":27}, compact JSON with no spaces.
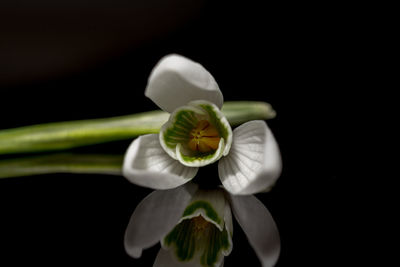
{"x":194,"y":227}
{"x":197,"y":134}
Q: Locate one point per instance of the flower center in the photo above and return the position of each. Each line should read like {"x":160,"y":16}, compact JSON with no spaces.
{"x":200,"y":224}
{"x":204,"y":137}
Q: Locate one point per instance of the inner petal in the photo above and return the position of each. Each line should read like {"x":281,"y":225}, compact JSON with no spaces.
{"x":197,"y":134}
{"x":197,"y":236}
{"x":204,"y":137}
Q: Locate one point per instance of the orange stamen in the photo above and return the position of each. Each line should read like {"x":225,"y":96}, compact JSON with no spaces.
{"x":204,"y":137}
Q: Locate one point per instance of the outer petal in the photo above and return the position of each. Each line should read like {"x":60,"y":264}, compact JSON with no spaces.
{"x":147,"y":164}
{"x":155,"y":215}
{"x":259,"y":227}
{"x":253,"y":163}
{"x":176,"y":80}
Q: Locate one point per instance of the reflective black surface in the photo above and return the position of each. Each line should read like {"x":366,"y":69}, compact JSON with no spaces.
{"x":289,"y":56}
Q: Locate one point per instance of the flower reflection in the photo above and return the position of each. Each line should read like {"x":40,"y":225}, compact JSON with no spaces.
{"x":197,"y":134}
{"x":195,"y":227}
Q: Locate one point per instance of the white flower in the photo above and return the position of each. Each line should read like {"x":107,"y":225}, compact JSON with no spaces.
{"x":198,"y":134}
{"x":194,"y":227}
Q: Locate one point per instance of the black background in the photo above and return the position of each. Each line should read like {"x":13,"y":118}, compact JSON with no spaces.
{"x":296,"y":57}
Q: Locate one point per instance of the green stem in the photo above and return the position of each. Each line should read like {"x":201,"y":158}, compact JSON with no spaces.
{"x":61,"y":163}
{"x":238,"y":112}
{"x":65,"y":135}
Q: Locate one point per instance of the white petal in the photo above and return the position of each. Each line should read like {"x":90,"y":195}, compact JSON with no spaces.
{"x":253,"y":163}
{"x":176,"y":80}
{"x":165,"y":258}
{"x":146,"y":164}
{"x":259,"y":227}
{"x":155,"y":216}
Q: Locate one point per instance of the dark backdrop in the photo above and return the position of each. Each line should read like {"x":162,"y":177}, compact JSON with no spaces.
{"x":84,"y":60}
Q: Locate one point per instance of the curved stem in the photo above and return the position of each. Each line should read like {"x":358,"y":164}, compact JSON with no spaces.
{"x":65,"y":135}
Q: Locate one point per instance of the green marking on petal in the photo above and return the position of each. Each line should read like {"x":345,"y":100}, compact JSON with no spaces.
{"x":202,"y":235}
{"x":196,"y":236}
{"x":222,"y":129}
{"x":198,"y":156}
{"x":218,"y":242}
{"x":201,"y":204}
{"x":184,"y":121}
{"x":183,"y":238}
